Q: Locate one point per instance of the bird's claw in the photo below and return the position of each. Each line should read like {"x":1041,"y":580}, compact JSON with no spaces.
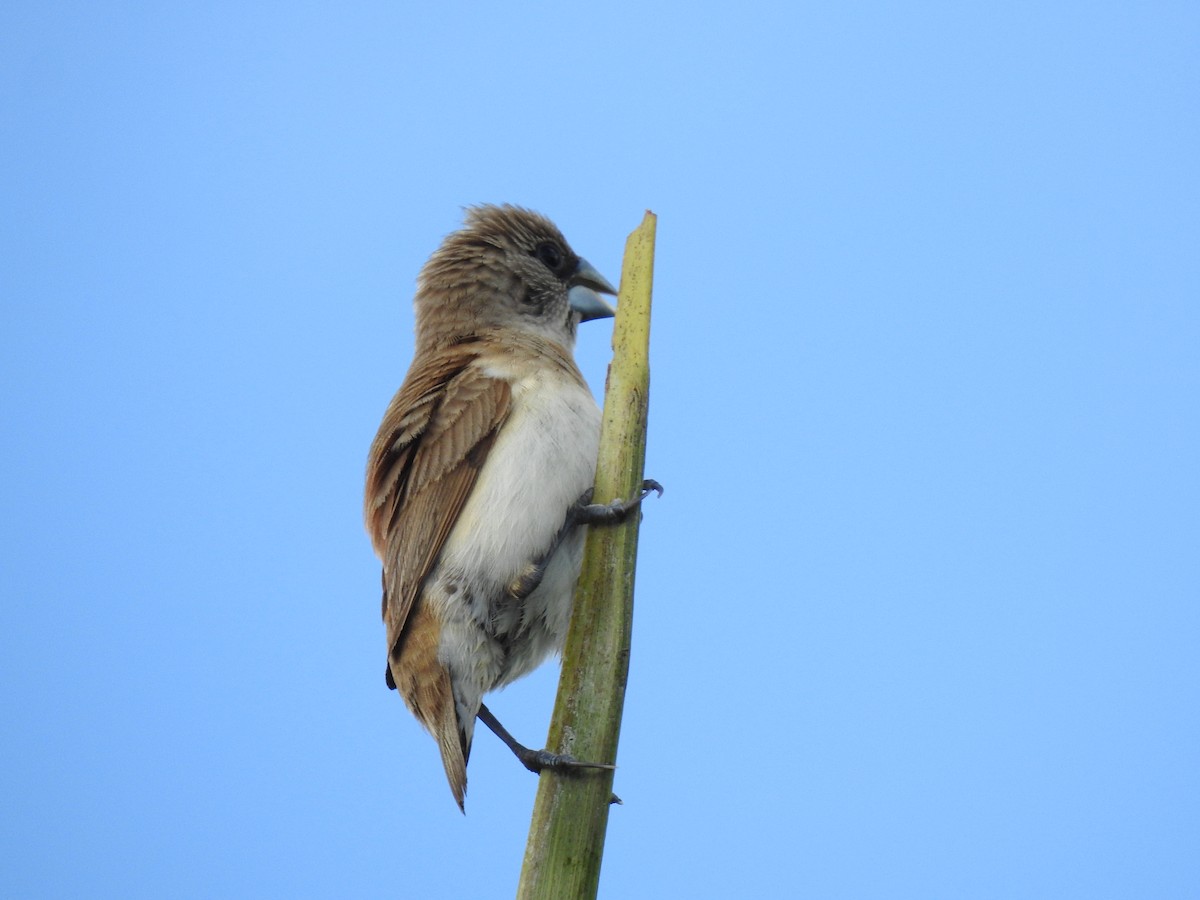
{"x":537,"y":760}
{"x":650,"y":486}
{"x":588,"y":513}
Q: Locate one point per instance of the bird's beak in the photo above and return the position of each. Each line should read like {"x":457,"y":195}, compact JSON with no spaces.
{"x":584,"y":290}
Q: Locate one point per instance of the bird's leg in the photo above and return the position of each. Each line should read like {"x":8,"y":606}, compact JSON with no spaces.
{"x":536,"y":760}
{"x":584,"y":512}
{"x":587,"y":513}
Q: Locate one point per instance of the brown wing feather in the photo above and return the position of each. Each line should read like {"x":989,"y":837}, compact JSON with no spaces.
{"x":423,"y":465}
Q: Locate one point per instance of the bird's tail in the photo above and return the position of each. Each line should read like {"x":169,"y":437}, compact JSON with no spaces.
{"x":453,"y":744}
{"x":426,"y":687}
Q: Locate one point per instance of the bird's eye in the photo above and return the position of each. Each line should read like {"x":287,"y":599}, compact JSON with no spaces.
{"x":549,"y":253}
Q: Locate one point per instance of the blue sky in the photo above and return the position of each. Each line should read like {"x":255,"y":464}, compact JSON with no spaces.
{"x":919,"y":614}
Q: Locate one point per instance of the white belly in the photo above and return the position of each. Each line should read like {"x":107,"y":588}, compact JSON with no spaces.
{"x":541,"y":462}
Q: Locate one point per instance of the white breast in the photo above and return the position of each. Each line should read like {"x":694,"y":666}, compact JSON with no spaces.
{"x":543,"y":459}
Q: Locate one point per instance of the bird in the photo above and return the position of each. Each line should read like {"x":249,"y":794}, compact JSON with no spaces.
{"x":477,"y":496}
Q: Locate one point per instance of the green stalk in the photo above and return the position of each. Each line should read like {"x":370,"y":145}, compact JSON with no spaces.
{"x":570,"y":814}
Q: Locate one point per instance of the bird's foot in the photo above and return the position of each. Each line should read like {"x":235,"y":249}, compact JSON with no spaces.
{"x":588,"y":513}
{"x":536,"y":760}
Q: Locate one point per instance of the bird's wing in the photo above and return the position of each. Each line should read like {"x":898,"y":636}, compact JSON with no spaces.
{"x":433,"y":441}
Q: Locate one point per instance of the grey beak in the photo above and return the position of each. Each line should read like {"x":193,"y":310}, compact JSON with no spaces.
{"x":585,"y":288}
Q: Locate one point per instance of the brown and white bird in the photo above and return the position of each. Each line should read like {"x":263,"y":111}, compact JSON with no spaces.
{"x":477,"y":480}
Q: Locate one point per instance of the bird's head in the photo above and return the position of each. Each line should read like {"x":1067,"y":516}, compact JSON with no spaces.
{"x":507,"y":269}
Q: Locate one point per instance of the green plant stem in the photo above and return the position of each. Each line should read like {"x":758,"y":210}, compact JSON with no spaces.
{"x":570,"y":814}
